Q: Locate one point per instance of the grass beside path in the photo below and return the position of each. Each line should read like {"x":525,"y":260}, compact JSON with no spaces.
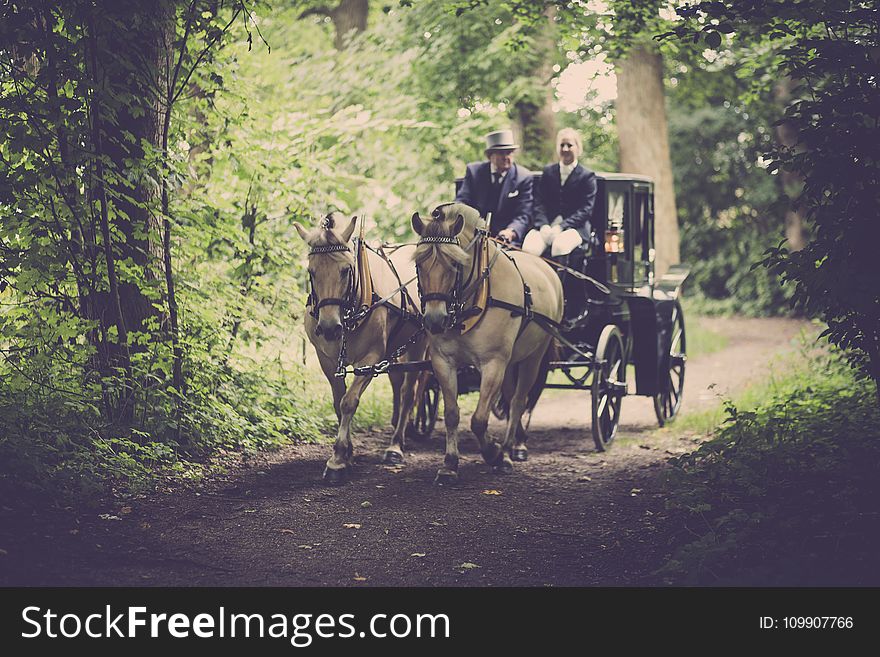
{"x":785,"y":492}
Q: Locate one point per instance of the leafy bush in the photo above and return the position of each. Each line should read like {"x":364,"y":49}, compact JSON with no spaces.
{"x":784,"y":494}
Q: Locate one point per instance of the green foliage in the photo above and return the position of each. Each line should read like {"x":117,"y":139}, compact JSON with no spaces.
{"x":89,"y":402}
{"x":784,"y":494}
{"x":729,"y":208}
{"x":830,"y":48}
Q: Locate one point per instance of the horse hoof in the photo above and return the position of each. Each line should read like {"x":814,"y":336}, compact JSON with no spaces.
{"x":492,"y":453}
{"x":445,"y":477}
{"x":520,"y":454}
{"x":505,"y":467}
{"x":335,"y":476}
{"x":392,"y":458}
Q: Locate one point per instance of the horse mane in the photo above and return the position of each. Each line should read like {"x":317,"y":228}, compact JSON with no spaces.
{"x":439,"y":225}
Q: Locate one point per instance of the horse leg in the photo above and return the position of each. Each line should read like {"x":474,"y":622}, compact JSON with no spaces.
{"x":527,"y":372}
{"x":421,"y":382}
{"x":394,"y":453}
{"x":339,"y":465}
{"x":509,"y":388}
{"x":447,"y":376}
{"x":396,"y":379}
{"x":491,"y":378}
{"x":337,"y":384}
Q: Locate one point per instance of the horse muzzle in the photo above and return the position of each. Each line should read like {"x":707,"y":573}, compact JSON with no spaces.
{"x":436,"y":320}
{"x":330,"y":330}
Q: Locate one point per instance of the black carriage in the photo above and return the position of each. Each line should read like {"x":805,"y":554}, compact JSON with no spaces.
{"x":616,"y":315}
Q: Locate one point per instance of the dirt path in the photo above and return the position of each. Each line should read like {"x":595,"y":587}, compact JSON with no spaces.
{"x":569,"y":516}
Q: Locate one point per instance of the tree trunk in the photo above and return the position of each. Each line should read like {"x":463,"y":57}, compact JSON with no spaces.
{"x":644,"y":142}
{"x":534,"y":119}
{"x":792,"y":181}
{"x":349,"y":18}
{"x":130,"y":38}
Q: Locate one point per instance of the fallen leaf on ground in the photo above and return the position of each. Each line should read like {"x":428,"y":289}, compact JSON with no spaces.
{"x":250,"y":510}
{"x":73,"y":532}
{"x":107,"y":516}
{"x":418,"y":554}
{"x":305,"y":547}
{"x":366,"y":505}
{"x":467,"y":565}
{"x":635,"y":491}
{"x":585,"y":478}
{"x":351,"y":525}
{"x":125,"y":510}
{"x":491,"y":492}
{"x":358,"y":578}
{"x":287,"y":531}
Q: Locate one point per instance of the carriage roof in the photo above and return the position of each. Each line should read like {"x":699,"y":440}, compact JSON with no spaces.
{"x":625,"y":177}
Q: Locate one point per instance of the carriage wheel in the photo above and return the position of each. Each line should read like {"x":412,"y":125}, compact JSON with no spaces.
{"x":667,"y":401}
{"x":609,"y":386}
{"x":427,"y":405}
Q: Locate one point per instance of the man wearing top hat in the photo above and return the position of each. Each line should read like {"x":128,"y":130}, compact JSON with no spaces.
{"x":501,"y":187}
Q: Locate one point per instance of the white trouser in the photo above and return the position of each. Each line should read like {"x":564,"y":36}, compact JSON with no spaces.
{"x":561,"y":242}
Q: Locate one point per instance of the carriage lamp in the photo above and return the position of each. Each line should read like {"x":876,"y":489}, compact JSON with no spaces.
{"x":614,"y":241}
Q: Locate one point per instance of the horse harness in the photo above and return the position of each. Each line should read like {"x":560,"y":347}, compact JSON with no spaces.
{"x":355,"y":307}
{"x":462,"y":319}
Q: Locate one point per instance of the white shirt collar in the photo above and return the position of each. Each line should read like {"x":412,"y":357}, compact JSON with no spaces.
{"x":494,"y":171}
{"x":566,"y":169}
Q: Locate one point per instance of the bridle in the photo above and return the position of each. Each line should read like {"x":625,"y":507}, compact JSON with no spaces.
{"x":461,"y":291}
{"x":346,"y":303}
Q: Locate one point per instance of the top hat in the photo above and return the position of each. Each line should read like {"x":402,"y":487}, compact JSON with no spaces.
{"x":500,"y":140}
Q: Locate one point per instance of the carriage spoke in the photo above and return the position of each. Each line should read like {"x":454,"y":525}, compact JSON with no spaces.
{"x":602,"y":404}
{"x":675,"y":339}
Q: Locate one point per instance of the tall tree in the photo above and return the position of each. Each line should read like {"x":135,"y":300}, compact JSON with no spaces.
{"x":349,"y":18}
{"x":535,"y":120}
{"x":127,"y":41}
{"x":642,"y":125}
{"x":831,"y":47}
{"x":644,"y":142}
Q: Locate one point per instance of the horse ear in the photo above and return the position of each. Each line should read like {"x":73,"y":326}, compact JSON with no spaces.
{"x":302,"y":231}
{"x":349,"y":230}
{"x":458,"y":225}
{"x":417,"y":224}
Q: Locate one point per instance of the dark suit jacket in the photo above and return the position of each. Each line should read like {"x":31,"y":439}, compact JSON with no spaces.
{"x":512,"y":208}
{"x":574,"y":200}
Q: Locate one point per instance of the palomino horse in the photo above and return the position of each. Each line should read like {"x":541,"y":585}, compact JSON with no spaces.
{"x":344,"y":282}
{"x":483,"y":307}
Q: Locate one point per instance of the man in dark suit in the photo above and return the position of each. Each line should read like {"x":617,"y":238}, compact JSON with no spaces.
{"x":564,"y":200}
{"x":501,"y":187}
